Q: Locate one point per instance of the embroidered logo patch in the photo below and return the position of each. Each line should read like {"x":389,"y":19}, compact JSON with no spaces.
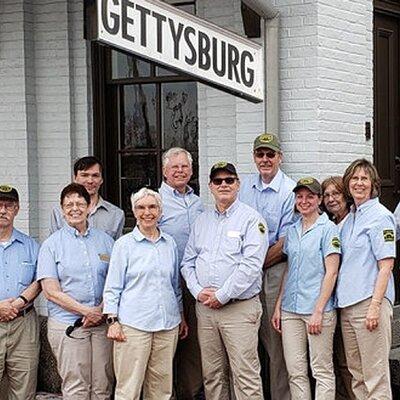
{"x":221,"y":164}
{"x":5,"y":189}
{"x":261,"y":227}
{"x":388,"y":235}
{"x":306,"y":181}
{"x":336,"y":242}
{"x":266,"y":138}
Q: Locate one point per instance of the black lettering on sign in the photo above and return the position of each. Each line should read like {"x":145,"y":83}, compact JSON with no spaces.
{"x":160,"y":19}
{"x":176,"y":36}
{"x":221,"y":58}
{"x":204,"y":51}
{"x":247,"y":79}
{"x":112,"y":30}
{"x":125,"y":20}
{"x":190,"y":60}
{"x":144,"y":12}
{"x":233,"y":61}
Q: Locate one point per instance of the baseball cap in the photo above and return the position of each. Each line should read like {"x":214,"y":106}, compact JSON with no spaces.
{"x":7,"y":192}
{"x":222,"y":166}
{"x":267,"y":140}
{"x":309,"y":183}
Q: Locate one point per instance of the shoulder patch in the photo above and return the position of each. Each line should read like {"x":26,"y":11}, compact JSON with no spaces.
{"x":388,"y":235}
{"x":336,"y":242}
{"x":261,"y":227}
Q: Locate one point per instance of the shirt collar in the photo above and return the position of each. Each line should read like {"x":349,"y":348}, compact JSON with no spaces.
{"x":365,"y":206}
{"x":275,"y":184}
{"x":74,"y":232}
{"x":230,"y":210}
{"x":139,"y":237}
{"x":321,"y":220}
{"x":16,"y":236}
{"x":173,"y":192}
{"x":100,"y":204}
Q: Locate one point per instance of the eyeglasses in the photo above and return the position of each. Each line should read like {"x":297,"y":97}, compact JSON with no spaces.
{"x":151,"y":208}
{"x":334,"y":195}
{"x":70,"y":206}
{"x":218,"y":181}
{"x":262,"y":153}
{"x":9,"y":206}
{"x":77,"y":324}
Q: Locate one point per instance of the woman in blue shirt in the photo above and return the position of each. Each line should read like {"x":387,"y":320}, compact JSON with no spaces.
{"x":304,"y":311}
{"x":365,"y":290}
{"x":143,"y":301}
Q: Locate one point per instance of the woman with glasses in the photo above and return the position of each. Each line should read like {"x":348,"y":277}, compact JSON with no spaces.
{"x":143,"y":302}
{"x":337,"y":206}
{"x":365,"y":289}
{"x":304,"y":311}
{"x":72,"y":269}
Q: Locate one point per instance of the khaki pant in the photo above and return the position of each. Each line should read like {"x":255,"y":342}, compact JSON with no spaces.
{"x":19,"y":355}
{"x":145,"y":359}
{"x":343,"y":375}
{"x":188,"y":376}
{"x":84,"y":362}
{"x":228,"y":341}
{"x":270,"y":339}
{"x":296,"y":342}
{"x":367,"y":352}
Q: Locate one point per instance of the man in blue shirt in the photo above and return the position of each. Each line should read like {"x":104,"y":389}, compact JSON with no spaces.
{"x":270,"y":193}
{"x":19,"y":330}
{"x":222,"y":267}
{"x":181,"y":207}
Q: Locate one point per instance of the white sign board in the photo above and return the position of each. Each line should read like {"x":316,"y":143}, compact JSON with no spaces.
{"x":166,"y":35}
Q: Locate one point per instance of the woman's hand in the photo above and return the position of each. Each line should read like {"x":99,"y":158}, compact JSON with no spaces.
{"x":93,"y":317}
{"x":372,"y":319}
{"x":315,"y":323}
{"x":115,"y":332}
{"x":276,"y":319}
{"x":183,"y":329}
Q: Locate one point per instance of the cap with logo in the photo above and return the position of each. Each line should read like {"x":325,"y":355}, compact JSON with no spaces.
{"x":268,"y":140}
{"x":222,"y":166}
{"x":309,"y":183}
{"x":7,"y":192}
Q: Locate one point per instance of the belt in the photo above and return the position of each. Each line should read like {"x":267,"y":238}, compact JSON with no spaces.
{"x":232,"y":301}
{"x":25,"y":311}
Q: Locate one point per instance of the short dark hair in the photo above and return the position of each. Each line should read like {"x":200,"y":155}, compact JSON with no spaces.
{"x":72,"y":188}
{"x":82,"y":164}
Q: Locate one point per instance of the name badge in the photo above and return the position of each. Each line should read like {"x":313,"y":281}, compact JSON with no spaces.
{"x":234,"y":234}
{"x":104,"y":257}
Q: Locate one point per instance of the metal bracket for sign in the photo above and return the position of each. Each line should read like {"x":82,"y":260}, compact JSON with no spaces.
{"x":191,"y":46}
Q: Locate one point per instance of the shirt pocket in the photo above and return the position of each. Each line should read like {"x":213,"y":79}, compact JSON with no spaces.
{"x":232,"y":245}
{"x":27,"y":273}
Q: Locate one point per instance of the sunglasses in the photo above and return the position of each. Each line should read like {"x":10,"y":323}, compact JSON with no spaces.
{"x":77,"y":324}
{"x":261,"y":153}
{"x":228,"y":181}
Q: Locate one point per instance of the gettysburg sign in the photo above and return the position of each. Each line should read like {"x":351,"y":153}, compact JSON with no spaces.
{"x":166,"y":35}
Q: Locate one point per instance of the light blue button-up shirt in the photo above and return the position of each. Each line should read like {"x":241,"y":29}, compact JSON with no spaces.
{"x":79,"y":263}
{"x":306,"y":268}
{"x":275,"y":202}
{"x":226,"y":251}
{"x":143,"y":285}
{"x":179,"y":213}
{"x":367,"y":236}
{"x":18,"y":260}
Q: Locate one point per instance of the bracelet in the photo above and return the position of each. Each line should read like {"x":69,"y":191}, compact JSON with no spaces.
{"x":24,"y":299}
{"x":376,"y":301}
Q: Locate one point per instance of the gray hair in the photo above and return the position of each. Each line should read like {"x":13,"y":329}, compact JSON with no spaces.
{"x":174,"y":151}
{"x":144,"y":192}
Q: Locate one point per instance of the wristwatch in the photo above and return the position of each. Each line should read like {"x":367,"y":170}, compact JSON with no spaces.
{"x":111,"y":320}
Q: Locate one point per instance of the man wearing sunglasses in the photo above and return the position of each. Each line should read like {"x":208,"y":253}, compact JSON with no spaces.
{"x":19,"y":330}
{"x":222,"y":267}
{"x":270,"y":193}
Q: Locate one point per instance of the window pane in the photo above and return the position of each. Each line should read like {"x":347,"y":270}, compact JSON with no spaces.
{"x":124,"y":66}
{"x":137,"y":171}
{"x":140,"y":122}
{"x":165,"y":72}
{"x":179,"y":115}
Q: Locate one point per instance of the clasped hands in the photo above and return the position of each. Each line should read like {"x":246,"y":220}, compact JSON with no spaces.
{"x":208,"y":298}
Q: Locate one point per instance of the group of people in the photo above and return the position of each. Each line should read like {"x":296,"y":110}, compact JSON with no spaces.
{"x":177,"y":305}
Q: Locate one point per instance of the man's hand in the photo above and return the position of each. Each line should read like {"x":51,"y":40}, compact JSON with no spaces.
{"x":213,"y":302}
{"x":7,"y":311}
{"x":183,"y":329}
{"x":315,"y":323}
{"x":372,"y":319}
{"x":205,"y":294}
{"x":276,"y":319}
{"x":115,"y":332}
{"x":93,"y":317}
